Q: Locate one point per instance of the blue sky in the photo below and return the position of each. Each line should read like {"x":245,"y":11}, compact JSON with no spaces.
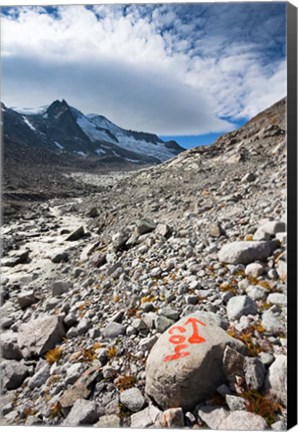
{"x":185,"y":71}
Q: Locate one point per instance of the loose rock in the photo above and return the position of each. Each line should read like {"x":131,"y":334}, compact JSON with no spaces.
{"x":132,"y":399}
{"x":82,"y":413}
{"x":40,"y":335}
{"x":242,"y":420}
{"x":172,"y":373}
{"x":240,"y":305}
{"x":245,"y":252}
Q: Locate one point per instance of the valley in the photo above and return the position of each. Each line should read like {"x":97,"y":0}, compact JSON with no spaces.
{"x":100,"y":282}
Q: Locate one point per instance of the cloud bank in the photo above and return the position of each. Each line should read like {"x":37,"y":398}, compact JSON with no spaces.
{"x":171,"y":69}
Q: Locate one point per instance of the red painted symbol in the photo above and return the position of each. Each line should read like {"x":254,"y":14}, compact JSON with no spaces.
{"x":178,"y":354}
{"x":179,"y":340}
{"x":195,"y":337}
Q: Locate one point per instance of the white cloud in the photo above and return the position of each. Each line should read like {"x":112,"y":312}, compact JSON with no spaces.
{"x":150,"y":68}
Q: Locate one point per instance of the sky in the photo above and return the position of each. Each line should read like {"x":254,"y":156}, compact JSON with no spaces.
{"x":185,"y":71}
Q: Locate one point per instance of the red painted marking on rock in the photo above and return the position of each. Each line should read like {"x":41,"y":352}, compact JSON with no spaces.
{"x":178,"y":340}
{"x":178,"y":354}
{"x":179,"y":328}
{"x":195,"y":337}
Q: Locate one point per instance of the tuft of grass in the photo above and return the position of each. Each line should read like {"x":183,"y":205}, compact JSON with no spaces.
{"x":249,"y":237}
{"x":88,"y":355}
{"x":54,"y":355}
{"x":248,"y":337}
{"x":131,"y":312}
{"x":111,"y":352}
{"x":53,"y":379}
{"x":125,"y":382}
{"x":84,"y":305}
{"x":148,"y":299}
{"x":97,"y":345}
{"x":55,"y":410}
{"x":267,"y":407}
{"x":28,"y":411}
{"x":173,"y":276}
{"x":116,"y":298}
{"x":265,"y":306}
{"x":229,"y":287}
{"x":263,"y":283}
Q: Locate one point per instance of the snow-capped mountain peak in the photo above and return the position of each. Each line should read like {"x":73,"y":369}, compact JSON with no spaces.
{"x":91,"y":135}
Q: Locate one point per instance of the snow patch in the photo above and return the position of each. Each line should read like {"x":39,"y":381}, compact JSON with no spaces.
{"x":100,"y":152}
{"x":81,"y":153}
{"x":136,"y":161}
{"x":31,"y":111}
{"x":127,"y":141}
{"x":60,"y":146}
{"x":104,"y":123}
{"x":91,"y":131}
{"x":28,"y":123}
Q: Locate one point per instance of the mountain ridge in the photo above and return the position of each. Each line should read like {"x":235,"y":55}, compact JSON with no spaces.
{"x":60,"y":127}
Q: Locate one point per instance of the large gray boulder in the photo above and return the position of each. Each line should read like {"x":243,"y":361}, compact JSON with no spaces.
{"x":273,"y":227}
{"x":40,"y":335}
{"x":84,"y":412}
{"x":145,"y":418}
{"x":113,"y":330}
{"x":132,"y":399}
{"x":240,"y":305}
{"x":76,"y":234}
{"x":13,"y":374}
{"x":185,"y":365}
{"x":26,"y":298}
{"x":271,"y":321}
{"x":145,"y":226}
{"x":243,"y":420}
{"x":212,"y":415}
{"x":245,"y":252}
{"x":276,"y":380}
{"x":40,"y":377}
{"x":9,"y":346}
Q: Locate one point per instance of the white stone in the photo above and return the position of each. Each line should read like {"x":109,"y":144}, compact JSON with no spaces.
{"x":276,"y":380}
{"x":277,"y":298}
{"x":145,"y":418}
{"x":245,"y":252}
{"x":132,"y":399}
{"x":254,"y":270}
{"x":212,"y":416}
{"x":243,"y":420}
{"x":240,"y":305}
{"x":83,"y":412}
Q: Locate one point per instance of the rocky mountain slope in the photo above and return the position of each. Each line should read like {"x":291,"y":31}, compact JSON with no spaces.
{"x":159,"y":301}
